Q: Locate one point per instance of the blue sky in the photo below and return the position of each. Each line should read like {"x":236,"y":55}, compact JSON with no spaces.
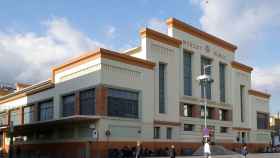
{"x":38,"y":34}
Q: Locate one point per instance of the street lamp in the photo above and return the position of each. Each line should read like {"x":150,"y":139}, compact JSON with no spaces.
{"x":204,"y":79}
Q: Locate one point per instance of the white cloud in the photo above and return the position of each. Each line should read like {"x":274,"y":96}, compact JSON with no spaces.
{"x":157,"y":24}
{"x":238,"y":21}
{"x":29,"y":56}
{"x":268,"y":78}
{"x":111,"y":32}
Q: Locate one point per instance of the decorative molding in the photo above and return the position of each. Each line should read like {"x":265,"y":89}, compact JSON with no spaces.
{"x":132,"y":74}
{"x":162,"y":50}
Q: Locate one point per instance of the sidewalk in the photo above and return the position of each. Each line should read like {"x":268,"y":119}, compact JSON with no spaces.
{"x":266,"y":155}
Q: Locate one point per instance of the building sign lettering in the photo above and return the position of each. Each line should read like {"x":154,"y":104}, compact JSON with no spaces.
{"x":202,"y":48}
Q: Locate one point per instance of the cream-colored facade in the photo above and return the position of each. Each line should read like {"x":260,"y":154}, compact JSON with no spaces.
{"x":137,"y":70}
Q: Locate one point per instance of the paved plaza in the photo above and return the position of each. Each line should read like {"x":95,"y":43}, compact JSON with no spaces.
{"x":267,"y":155}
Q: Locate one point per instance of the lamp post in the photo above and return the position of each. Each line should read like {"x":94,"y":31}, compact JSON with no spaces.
{"x":204,"y":79}
{"x":11,"y":135}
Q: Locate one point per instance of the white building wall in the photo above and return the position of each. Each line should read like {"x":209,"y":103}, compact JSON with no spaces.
{"x":259,"y":105}
{"x":124,"y":76}
{"x":241,"y":78}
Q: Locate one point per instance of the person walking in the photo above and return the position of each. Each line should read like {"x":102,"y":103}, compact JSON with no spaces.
{"x":244,"y":151}
{"x":138,"y":153}
{"x":172,"y":152}
{"x":207,"y":151}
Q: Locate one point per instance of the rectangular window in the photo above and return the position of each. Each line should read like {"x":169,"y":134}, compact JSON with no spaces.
{"x":28,"y":114}
{"x":187,"y":110}
{"x":68,"y":105}
{"x":3,"y":119}
{"x":162,"y":81}
{"x":204,"y":62}
{"x":87,"y":102}
{"x":223,"y":130}
{"x":262,"y":120}
{"x":46,"y":110}
{"x":222,"y":82}
{"x":123,"y":103}
{"x":168,"y":133}
{"x":156,"y":132}
{"x":15,"y":117}
{"x":187,"y":74}
{"x":242,"y":102}
{"x":188,"y":127}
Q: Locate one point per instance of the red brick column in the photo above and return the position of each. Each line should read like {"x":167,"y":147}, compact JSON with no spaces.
{"x":101,"y":100}
{"x":229,"y":115}
{"x":77,"y":103}
{"x":21,"y":111}
{"x":6,"y":118}
{"x":215,"y":114}
{"x":9,"y":117}
{"x":196,"y":110}
{"x":36,"y":112}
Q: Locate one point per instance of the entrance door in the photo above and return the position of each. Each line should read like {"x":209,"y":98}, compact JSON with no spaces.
{"x":243,"y":137}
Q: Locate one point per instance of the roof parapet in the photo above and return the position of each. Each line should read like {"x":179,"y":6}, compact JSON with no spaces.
{"x":102,"y":53}
{"x":20,"y":86}
{"x":163,"y":38}
{"x":259,"y":94}
{"x":241,"y":67}
{"x":172,"y":22}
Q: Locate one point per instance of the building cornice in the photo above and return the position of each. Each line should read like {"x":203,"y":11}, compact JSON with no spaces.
{"x":242,"y":67}
{"x":259,"y":94}
{"x":36,"y":88}
{"x":158,"y":122}
{"x":241,"y":129}
{"x":172,"y":22}
{"x":163,"y":38}
{"x":102,"y":53}
{"x":108,"y":54}
{"x":132,"y":51}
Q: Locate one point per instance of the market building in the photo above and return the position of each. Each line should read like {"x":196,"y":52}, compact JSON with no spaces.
{"x":106,"y":99}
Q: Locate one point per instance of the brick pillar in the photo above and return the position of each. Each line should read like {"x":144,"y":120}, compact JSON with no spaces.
{"x":36,"y":112}
{"x":9,"y":117}
{"x":5,"y":146}
{"x":196,"y":110}
{"x":77,"y":103}
{"x":101,"y":100}
{"x":229,"y":115}
{"x":21,"y":111}
{"x":215,"y":114}
{"x":6,"y":118}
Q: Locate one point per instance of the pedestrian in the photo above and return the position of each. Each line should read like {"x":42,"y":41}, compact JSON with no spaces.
{"x":207,"y":151}
{"x":139,"y":151}
{"x":172,"y":152}
{"x":244,"y":151}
